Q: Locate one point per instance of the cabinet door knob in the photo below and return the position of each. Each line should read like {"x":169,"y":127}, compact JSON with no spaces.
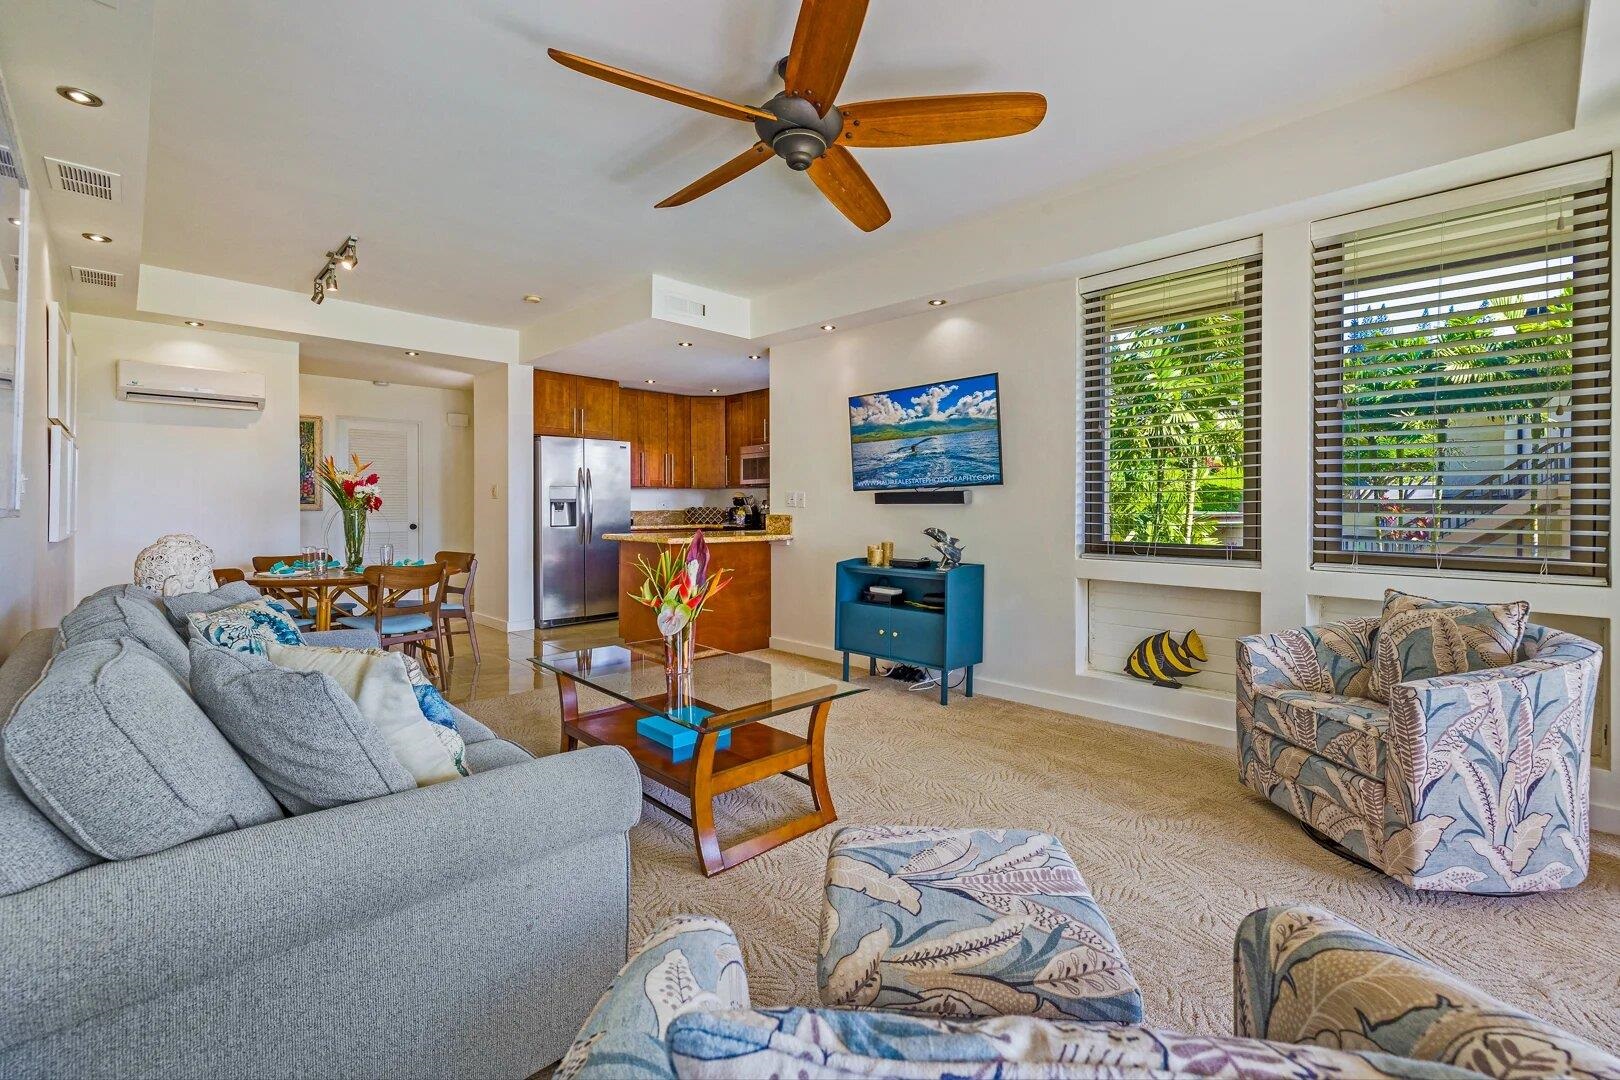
{"x":881,"y":633}
{"x":895,"y":634}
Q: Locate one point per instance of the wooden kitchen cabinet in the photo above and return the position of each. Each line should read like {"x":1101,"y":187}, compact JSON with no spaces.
{"x":575,"y":405}
{"x":555,"y":412}
{"x":598,"y":401}
{"x":680,"y":440}
{"x":649,"y":437}
{"x":708,"y":442}
{"x":748,"y":420}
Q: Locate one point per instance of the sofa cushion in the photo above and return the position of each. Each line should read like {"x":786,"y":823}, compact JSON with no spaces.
{"x":245,"y":628}
{"x":1349,"y":731}
{"x":495,"y":754}
{"x":179,"y":608}
{"x":377,"y":682}
{"x":744,"y":1043}
{"x":110,"y":615}
{"x":32,"y":849}
{"x":298,"y":730}
{"x":111,"y":747}
{"x":1420,"y":638}
{"x":967,"y":922}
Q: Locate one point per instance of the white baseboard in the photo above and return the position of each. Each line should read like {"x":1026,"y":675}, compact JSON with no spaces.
{"x":1605,"y":816}
{"x":501,"y":624}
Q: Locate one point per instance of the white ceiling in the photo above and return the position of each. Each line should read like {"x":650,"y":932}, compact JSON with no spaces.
{"x":647,"y":350}
{"x":475,"y":170}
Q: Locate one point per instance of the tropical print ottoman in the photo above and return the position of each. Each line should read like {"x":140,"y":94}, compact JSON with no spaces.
{"x":966,"y":923}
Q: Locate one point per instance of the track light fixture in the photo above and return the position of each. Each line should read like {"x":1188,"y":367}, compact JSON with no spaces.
{"x":347,"y":256}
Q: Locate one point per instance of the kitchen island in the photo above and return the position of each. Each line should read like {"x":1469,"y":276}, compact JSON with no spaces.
{"x":737,"y":620}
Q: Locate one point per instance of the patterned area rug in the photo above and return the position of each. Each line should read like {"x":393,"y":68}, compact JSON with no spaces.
{"x":1175,"y":849}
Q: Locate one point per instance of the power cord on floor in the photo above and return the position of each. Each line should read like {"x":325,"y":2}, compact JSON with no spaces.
{"x":929,"y":680}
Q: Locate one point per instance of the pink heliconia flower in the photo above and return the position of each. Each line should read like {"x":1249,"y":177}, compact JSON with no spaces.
{"x":697,"y":561}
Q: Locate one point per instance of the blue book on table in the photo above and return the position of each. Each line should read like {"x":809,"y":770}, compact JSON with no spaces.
{"x":680,"y":739}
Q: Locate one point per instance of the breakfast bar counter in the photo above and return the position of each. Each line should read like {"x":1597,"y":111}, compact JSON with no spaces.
{"x":739,"y":619}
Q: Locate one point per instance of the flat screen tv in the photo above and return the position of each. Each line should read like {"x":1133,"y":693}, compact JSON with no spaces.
{"x":937,"y":435}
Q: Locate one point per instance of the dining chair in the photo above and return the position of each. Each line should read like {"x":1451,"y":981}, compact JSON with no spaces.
{"x":224,"y":575}
{"x":295,"y":604}
{"x":412,"y":625}
{"x":458,"y":603}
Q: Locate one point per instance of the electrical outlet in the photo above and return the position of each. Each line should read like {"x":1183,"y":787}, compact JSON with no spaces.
{"x":795,"y":499}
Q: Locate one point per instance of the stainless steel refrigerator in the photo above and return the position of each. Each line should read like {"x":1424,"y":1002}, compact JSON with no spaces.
{"x":582,"y":490}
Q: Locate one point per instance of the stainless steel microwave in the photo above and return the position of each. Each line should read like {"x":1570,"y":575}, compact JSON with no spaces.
{"x":756,"y":465}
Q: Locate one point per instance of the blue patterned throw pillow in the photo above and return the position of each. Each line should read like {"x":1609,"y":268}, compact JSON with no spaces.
{"x":245,"y":628}
{"x":1420,"y":638}
{"x":428,"y":699}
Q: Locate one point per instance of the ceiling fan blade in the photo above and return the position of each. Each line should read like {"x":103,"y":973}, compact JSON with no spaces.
{"x":823,"y":42}
{"x":668,"y":91}
{"x":952,"y":118}
{"x":846,"y":185}
{"x":757,"y":154}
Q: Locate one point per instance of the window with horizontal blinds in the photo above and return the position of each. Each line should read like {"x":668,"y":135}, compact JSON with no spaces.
{"x":1170,"y":415}
{"x":1462,"y":382}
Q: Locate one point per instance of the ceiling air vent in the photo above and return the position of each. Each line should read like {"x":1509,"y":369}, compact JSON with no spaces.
{"x":680,"y":305}
{"x":106,"y":279}
{"x":8,"y":164}
{"x":84,"y":180}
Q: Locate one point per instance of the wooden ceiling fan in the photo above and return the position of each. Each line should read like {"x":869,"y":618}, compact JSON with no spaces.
{"x":802,"y":126}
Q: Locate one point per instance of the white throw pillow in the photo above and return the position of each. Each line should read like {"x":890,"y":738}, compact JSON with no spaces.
{"x":377,"y":682}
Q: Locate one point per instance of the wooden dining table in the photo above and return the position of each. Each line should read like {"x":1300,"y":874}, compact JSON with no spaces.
{"x":323,"y":592}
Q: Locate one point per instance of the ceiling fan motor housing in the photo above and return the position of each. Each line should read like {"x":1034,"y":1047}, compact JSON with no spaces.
{"x":798,"y":135}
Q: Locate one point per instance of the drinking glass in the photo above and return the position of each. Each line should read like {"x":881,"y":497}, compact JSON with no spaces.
{"x":321,"y":556}
{"x":308,"y":555}
{"x":385,"y":555}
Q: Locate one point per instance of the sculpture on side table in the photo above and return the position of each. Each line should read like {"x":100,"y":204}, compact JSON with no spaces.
{"x":949,"y":548}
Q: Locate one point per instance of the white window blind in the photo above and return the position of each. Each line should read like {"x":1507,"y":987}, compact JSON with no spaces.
{"x":1462,"y":383}
{"x":1170,"y":420}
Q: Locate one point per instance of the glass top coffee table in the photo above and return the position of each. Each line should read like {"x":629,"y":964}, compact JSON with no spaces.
{"x":699,"y":734}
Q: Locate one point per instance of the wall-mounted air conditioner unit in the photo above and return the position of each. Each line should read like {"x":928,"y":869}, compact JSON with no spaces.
{"x":166,"y":384}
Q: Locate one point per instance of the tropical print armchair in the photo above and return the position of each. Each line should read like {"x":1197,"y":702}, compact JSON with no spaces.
{"x":1316,"y":998}
{"x":1471,"y":782}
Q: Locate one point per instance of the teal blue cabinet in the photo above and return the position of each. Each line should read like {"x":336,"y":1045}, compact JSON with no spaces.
{"x":947,"y":639}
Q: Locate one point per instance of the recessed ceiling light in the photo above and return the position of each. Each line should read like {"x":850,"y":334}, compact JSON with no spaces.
{"x":193,"y":322}
{"x":828,"y":326}
{"x":756,"y":356}
{"x":650,"y":382}
{"x":714,"y":389}
{"x":938,"y":303}
{"x":15,"y":221}
{"x":97,"y":238}
{"x":684,"y":344}
{"x":531,"y":298}
{"x":412,"y":352}
{"x":79,"y":97}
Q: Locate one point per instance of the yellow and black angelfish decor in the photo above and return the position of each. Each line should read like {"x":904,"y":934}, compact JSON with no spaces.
{"x":1160,"y":658}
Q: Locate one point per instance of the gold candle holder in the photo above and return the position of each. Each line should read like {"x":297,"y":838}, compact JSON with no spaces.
{"x":888,"y":552}
{"x":874,"y":554}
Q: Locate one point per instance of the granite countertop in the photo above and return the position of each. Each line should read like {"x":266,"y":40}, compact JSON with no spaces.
{"x":684,"y":536}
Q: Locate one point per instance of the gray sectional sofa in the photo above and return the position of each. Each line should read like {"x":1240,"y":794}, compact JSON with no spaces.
{"x":462,"y":929}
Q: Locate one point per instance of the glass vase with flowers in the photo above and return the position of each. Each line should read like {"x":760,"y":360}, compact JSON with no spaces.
{"x":678,"y":587}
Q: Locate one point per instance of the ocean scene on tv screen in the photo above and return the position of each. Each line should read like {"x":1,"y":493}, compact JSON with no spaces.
{"x":946,"y":434}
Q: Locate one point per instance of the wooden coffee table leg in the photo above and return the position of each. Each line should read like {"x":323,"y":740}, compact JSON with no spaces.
{"x":568,"y":699}
{"x":819,"y":791}
{"x":702,"y":797}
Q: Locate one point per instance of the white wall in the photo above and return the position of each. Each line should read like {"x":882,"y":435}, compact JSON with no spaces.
{"x":145,"y":470}
{"x":36,"y":577}
{"x":444,"y":454}
{"x":503,"y":496}
{"x":1036,"y":586}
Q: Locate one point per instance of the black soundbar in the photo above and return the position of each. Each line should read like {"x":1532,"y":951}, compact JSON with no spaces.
{"x":930,"y":498}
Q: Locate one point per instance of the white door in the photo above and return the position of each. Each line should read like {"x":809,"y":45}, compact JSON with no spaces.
{"x":390,"y":447}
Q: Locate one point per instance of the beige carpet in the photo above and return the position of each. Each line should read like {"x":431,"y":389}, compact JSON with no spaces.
{"x":1176,"y":851}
